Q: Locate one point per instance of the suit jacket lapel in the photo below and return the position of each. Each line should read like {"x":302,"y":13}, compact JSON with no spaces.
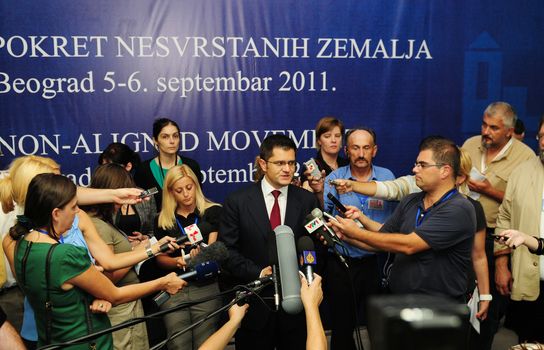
{"x":257,"y":210}
{"x":293,"y":209}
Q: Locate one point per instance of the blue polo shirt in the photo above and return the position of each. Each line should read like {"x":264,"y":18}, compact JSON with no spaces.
{"x":376,"y":209}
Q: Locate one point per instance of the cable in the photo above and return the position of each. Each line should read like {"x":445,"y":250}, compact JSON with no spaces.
{"x":239,"y":297}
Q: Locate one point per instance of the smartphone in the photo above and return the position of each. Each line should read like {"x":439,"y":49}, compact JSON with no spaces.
{"x":314,"y":169}
{"x":497,"y":237}
{"x":148,"y":193}
{"x":341,"y":208}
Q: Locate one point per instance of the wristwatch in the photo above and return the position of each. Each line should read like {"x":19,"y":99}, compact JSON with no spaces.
{"x":486,"y":297}
{"x":149,"y":252}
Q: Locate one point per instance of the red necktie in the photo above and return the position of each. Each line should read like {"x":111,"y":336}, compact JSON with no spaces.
{"x":275,"y":218}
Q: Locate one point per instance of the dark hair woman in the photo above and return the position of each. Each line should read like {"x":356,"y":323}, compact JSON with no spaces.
{"x":152,"y":172}
{"x":121,"y":154}
{"x":61,"y":296}
{"x":119,"y":241}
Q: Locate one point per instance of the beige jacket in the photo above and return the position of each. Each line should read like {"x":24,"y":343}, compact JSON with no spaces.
{"x":520,"y":210}
{"x":498,"y":171}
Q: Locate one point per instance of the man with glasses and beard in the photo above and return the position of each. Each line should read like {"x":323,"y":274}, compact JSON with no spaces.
{"x":522,"y":209}
{"x":495,"y":154}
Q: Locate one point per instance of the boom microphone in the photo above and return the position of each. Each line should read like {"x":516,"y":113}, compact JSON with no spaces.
{"x":201,"y":271}
{"x":287,"y":258}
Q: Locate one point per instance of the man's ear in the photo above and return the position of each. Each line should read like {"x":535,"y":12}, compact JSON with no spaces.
{"x":262,"y":164}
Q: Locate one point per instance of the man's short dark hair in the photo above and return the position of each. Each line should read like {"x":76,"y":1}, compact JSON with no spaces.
{"x":362,"y":128}
{"x":445,"y":151}
{"x":275,"y":141}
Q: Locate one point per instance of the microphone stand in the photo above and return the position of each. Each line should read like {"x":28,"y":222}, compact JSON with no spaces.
{"x":240,"y":296}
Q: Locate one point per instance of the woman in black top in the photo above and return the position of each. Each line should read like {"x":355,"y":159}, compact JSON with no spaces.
{"x":183,"y":205}
{"x":328,"y":141}
{"x":152,"y":172}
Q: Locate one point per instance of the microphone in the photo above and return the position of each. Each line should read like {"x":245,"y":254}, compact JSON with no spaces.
{"x":193,"y":235}
{"x":217,"y":251}
{"x":259,"y":282}
{"x":306,"y":250}
{"x":201,"y":271}
{"x":273,"y":261}
{"x":287,"y":258}
{"x":317,"y":213}
{"x":327,"y":233}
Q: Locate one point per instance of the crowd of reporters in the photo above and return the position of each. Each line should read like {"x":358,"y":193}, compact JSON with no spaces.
{"x":121,"y":250}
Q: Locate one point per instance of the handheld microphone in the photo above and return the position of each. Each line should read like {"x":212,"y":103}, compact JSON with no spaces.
{"x":217,"y":251}
{"x":201,"y":271}
{"x":318,"y":214}
{"x":328,"y":235}
{"x":306,"y":250}
{"x":287,"y":258}
{"x":193,"y":235}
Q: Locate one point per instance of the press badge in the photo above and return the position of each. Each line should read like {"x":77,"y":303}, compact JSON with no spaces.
{"x":375,"y":204}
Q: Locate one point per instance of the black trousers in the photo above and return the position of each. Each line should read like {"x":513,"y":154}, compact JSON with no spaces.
{"x":527,"y":318}
{"x":281,"y":331}
{"x":497,"y":308}
{"x":347,"y":292}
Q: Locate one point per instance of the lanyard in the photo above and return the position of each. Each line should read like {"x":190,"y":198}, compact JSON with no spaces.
{"x":422,"y":214}
{"x":61,"y":239}
{"x":181,"y":227}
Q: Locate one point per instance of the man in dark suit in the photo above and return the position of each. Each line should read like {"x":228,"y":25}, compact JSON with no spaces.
{"x":249,"y":217}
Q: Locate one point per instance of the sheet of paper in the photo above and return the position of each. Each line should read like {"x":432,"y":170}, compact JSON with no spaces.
{"x":475,"y":174}
{"x":473,"y":306}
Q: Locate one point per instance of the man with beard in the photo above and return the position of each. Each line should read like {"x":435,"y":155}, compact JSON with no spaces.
{"x":363,"y":275}
{"x":522,"y":209}
{"x":495,"y":153}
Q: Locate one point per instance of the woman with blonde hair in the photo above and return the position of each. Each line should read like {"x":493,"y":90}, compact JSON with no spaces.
{"x":184,"y":204}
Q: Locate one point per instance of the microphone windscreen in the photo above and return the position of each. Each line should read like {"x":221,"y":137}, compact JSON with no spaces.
{"x":217,"y":251}
{"x":305,"y":243}
{"x":290,"y":281}
{"x":317,"y":213}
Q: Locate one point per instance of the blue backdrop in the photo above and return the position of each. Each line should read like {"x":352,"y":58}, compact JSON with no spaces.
{"x":232,"y":71}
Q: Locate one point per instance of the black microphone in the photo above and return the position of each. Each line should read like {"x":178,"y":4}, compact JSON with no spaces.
{"x":259,"y":282}
{"x":204,"y":227}
{"x":316,"y":223}
{"x":273,"y":261}
{"x":287,"y":259}
{"x":307,"y":256}
{"x":217,"y":251}
{"x":179,"y":241}
{"x":201,"y":271}
{"x":317,"y":213}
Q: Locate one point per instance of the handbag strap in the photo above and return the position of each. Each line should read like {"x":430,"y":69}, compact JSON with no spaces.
{"x":48,"y":304}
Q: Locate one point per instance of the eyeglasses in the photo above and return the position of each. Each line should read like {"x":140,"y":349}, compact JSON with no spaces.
{"x":282,"y":163}
{"x":424,"y":165}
